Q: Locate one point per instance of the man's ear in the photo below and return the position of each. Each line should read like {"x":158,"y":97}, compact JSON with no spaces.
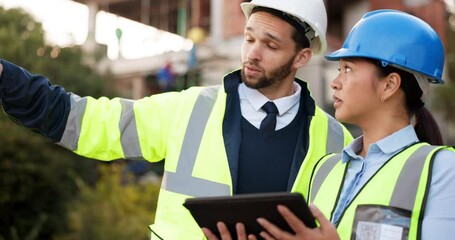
{"x":302,"y":58}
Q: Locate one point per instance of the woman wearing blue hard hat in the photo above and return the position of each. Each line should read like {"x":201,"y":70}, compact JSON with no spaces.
{"x":395,"y":181}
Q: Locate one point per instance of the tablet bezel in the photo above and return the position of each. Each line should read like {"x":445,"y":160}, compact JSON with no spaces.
{"x":246,"y":208}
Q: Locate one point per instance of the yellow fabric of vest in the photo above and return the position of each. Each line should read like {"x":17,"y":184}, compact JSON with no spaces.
{"x":177,"y":223}
{"x":377,"y":191}
{"x":162,"y":122}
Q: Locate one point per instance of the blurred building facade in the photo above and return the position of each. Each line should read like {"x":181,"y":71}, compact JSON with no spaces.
{"x":216,"y":27}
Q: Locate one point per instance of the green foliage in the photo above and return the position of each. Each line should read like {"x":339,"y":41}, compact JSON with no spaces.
{"x":20,"y":37}
{"x":112,"y":210}
{"x":67,"y":70}
{"x":444,"y":97}
{"x":22,"y":41}
{"x":37,"y":176}
{"x":36,"y":182}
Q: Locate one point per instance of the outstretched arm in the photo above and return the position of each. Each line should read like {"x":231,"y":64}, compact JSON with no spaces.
{"x":31,"y":101}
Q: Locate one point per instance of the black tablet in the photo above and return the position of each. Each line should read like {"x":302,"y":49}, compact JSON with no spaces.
{"x":246,"y":208}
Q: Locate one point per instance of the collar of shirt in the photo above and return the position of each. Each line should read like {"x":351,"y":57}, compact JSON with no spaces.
{"x":257,"y":99}
{"x":251,"y":101}
{"x":361,"y":169}
{"x":388,"y":145}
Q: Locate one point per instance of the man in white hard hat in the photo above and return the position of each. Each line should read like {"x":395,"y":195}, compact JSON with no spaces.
{"x":254,"y":133}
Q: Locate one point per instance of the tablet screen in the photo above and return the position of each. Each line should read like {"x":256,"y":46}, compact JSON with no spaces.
{"x":246,"y":208}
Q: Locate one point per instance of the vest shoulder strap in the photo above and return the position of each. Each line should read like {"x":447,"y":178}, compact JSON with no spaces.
{"x":322,"y":173}
{"x":335,"y":135}
{"x":405,"y":191}
{"x":181,"y":181}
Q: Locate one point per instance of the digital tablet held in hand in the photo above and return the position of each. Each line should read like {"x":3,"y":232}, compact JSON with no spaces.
{"x":246,"y":208}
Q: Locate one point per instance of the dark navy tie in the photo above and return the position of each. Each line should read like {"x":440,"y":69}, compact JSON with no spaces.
{"x":269,"y":122}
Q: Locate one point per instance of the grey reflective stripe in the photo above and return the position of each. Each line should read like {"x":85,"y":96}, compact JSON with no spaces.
{"x":335,"y":144}
{"x":70,"y":137}
{"x":181,"y":181}
{"x":405,"y":191}
{"x":322,"y":174}
{"x":335,"y":136}
{"x":127,"y":126}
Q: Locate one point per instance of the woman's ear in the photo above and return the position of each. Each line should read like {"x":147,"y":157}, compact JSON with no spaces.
{"x":391,"y":86}
{"x":302,"y":58}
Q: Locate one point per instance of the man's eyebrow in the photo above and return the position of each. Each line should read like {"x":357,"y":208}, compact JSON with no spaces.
{"x":273,"y":37}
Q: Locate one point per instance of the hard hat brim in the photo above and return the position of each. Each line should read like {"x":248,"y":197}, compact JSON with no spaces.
{"x":345,"y":53}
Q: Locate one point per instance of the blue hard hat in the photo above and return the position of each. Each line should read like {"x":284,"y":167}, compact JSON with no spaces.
{"x":396,"y":38}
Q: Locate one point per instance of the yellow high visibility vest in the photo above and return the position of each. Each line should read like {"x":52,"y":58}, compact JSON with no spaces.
{"x":209,"y":176}
{"x":391,"y":199}
{"x":185,"y":128}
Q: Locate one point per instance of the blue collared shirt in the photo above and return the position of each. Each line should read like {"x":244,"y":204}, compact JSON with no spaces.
{"x":439,"y":218}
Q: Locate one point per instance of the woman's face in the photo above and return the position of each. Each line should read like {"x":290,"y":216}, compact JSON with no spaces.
{"x":356,"y":91}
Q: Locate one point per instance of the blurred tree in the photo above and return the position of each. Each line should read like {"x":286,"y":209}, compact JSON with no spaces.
{"x":36,"y":176}
{"x":444,"y":99}
{"x":111,"y":211}
{"x":36,"y":182}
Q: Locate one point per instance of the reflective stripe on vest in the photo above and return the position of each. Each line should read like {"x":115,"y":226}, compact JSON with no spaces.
{"x":70,"y":137}
{"x":181,"y":181}
{"x":322,"y":174}
{"x":335,"y":135}
{"x":191,"y":142}
{"x":405,"y":191}
{"x":127,"y":126}
{"x":129,"y":137}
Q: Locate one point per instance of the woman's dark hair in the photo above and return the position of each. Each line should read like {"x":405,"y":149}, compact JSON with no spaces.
{"x":299,"y":32}
{"x":425,"y":126}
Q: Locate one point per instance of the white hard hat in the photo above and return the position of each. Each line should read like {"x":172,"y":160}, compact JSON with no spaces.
{"x":311,"y":12}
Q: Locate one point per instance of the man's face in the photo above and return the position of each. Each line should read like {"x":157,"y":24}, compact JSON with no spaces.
{"x":268,"y":51}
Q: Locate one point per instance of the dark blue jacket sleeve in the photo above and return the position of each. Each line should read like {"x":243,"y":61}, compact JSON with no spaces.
{"x":31,"y":101}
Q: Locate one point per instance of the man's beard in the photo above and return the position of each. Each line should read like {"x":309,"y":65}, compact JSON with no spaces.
{"x":275,"y":76}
